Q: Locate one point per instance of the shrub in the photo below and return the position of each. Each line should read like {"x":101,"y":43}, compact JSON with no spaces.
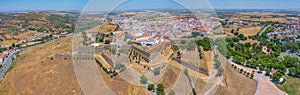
{"x":171,"y":92}
{"x":143,"y":79}
{"x":160,"y":93}
{"x":220,"y":71}
{"x":241,"y":70}
{"x":115,"y":74}
{"x":151,"y":87}
{"x":160,"y":87}
{"x":120,"y":67}
{"x":252,"y":75}
{"x":186,"y":72}
{"x":107,"y":42}
{"x":156,"y":71}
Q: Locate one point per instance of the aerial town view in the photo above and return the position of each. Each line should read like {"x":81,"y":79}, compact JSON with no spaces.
{"x":149,"y":47}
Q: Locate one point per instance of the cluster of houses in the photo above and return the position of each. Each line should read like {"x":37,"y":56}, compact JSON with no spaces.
{"x":3,"y":55}
{"x":150,"y":32}
{"x":288,"y":30}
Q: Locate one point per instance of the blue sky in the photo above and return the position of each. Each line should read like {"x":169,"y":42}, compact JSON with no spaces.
{"x":7,"y":5}
{"x":256,"y":4}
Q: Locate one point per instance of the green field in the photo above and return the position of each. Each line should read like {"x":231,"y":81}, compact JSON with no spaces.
{"x":292,"y":86}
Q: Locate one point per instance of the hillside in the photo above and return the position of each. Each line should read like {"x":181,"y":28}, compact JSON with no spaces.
{"x":14,"y":23}
{"x":235,"y":83}
{"x":36,"y":72}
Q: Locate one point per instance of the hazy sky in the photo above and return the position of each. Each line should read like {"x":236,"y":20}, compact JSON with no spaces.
{"x":7,"y":5}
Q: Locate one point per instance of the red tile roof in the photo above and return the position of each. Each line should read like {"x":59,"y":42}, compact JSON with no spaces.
{"x":2,"y":56}
{"x":144,"y":35}
{"x":273,"y":71}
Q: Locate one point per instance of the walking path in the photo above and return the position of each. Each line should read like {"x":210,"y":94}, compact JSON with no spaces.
{"x":264,"y":84}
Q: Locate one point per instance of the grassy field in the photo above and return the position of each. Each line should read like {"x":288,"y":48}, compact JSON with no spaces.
{"x":292,"y":86}
{"x":34,"y":74}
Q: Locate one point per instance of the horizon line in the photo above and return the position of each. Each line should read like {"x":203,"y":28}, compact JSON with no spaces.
{"x":76,"y":10}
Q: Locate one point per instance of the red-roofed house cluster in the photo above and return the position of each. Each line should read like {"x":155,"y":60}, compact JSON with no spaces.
{"x":3,"y":56}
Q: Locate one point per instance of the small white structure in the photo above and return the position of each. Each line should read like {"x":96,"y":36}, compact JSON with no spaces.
{"x":95,"y":44}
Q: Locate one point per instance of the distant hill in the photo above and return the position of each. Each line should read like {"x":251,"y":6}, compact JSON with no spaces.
{"x":36,"y":21}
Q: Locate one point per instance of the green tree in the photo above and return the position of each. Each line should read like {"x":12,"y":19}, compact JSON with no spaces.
{"x":205,"y":43}
{"x":220,"y":71}
{"x":151,"y":87}
{"x":107,"y":42}
{"x":241,"y":70}
{"x":232,"y":31}
{"x":247,"y":44}
{"x":186,"y":72}
{"x":268,"y":72}
{"x":217,"y":63}
{"x":293,"y":71}
{"x":277,"y":76}
{"x":156,"y":71}
{"x":160,"y":93}
{"x":242,"y":37}
{"x":143,"y":79}
{"x":160,"y":87}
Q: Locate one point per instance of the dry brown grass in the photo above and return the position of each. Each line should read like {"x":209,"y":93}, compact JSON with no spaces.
{"x":94,"y":29}
{"x":8,"y":36}
{"x":269,"y":19}
{"x":208,"y":59}
{"x":11,"y":38}
{"x":250,"y":31}
{"x":25,"y":35}
{"x":250,"y":40}
{"x":8,"y":42}
{"x":199,"y":85}
{"x":104,"y":63}
{"x":170,"y":76}
{"x":30,"y":43}
{"x":34,"y":75}
{"x":235,"y":83}
{"x":228,"y":32}
{"x":121,"y":87}
{"x":266,"y":16}
{"x":106,"y":28}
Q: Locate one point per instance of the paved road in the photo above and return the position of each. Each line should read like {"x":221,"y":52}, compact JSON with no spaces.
{"x":258,"y":77}
{"x":7,"y":62}
{"x":265,"y":28}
